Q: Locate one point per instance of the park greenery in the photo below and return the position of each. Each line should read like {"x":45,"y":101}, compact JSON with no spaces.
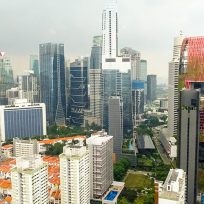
{"x":120,"y":169}
{"x":139,"y":188}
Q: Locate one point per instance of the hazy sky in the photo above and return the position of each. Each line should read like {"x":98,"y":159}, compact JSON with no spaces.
{"x":145,"y":25}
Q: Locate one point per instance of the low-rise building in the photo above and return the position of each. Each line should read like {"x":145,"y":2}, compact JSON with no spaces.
{"x":173,"y":190}
{"x":25,"y":148}
{"x":168,"y":143}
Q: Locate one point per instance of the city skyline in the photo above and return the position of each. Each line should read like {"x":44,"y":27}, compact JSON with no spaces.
{"x":150,"y":38}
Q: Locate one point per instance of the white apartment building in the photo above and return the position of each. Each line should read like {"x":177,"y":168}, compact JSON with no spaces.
{"x":75,"y":175}
{"x":24,"y":148}
{"x":173,"y":189}
{"x":29,"y":181}
{"x":100,"y":146}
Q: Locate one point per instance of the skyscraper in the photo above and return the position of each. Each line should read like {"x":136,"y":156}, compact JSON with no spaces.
{"x":6,"y":77}
{"x":191,"y":75}
{"x":110,"y":30}
{"x":173,"y":90}
{"x":135,"y":61}
{"x":189,"y":130}
{"x":34,"y":66}
{"x":114,"y":65}
{"x":28,"y":84}
{"x":100,"y":146}
{"x":111,"y":87}
{"x":52,"y":81}
{"x":75,"y":175}
{"x":151,"y":88}
{"x":96,"y":81}
{"x":29,"y":181}
{"x":137,"y":99}
{"x":126,"y":98}
{"x":143,"y":75}
{"x":78,"y":90}
{"x":115,"y":127}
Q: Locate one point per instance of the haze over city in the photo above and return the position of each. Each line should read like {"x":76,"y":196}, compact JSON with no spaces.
{"x":146,"y":26}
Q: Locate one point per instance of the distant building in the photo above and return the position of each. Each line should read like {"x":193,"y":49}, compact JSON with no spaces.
{"x":6,"y":77}
{"x":28,"y":86}
{"x":189,"y":132}
{"x":96,"y":82}
{"x":13,"y":94}
{"x":25,"y":148}
{"x":115,"y":119}
{"x":135,"y":62}
{"x":111,"y":87}
{"x":143,"y":75}
{"x":151,"y":88}
{"x":163,"y":103}
{"x":173,"y":191}
{"x":34,"y":66}
{"x":78,"y":90}
{"x":100,"y":146}
{"x":22,"y":120}
{"x":29,"y":181}
{"x":137,"y":99}
{"x":75,"y":175}
{"x":52,"y":82}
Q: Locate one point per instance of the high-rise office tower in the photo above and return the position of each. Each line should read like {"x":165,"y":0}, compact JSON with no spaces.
{"x":52,"y":81}
{"x":6,"y":77}
{"x":173,"y":90}
{"x":75,"y":175}
{"x":115,"y":120}
{"x":135,"y":62}
{"x":34,"y":66}
{"x":28,"y":83}
{"x":100,"y":146}
{"x":110,"y":30}
{"x":143,"y":75}
{"x":22,"y":120}
{"x":67,"y":86}
{"x":96,"y":82}
{"x":191,"y":75}
{"x":126,"y":98}
{"x":189,"y":130}
{"x":78,"y":90}
{"x":25,"y":148}
{"x":111,"y":87}
{"x":137,"y":99}
{"x":151,"y":88}
{"x":30,"y":181}
{"x":113,"y":65}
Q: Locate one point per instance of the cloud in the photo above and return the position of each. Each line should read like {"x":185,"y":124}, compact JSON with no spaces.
{"x":145,"y":25}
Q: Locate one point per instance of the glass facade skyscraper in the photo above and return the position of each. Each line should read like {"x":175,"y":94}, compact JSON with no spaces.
{"x":52,"y":81}
{"x":78,"y":90}
{"x":151,"y":88}
{"x":96,"y":82}
{"x":6,"y":77}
